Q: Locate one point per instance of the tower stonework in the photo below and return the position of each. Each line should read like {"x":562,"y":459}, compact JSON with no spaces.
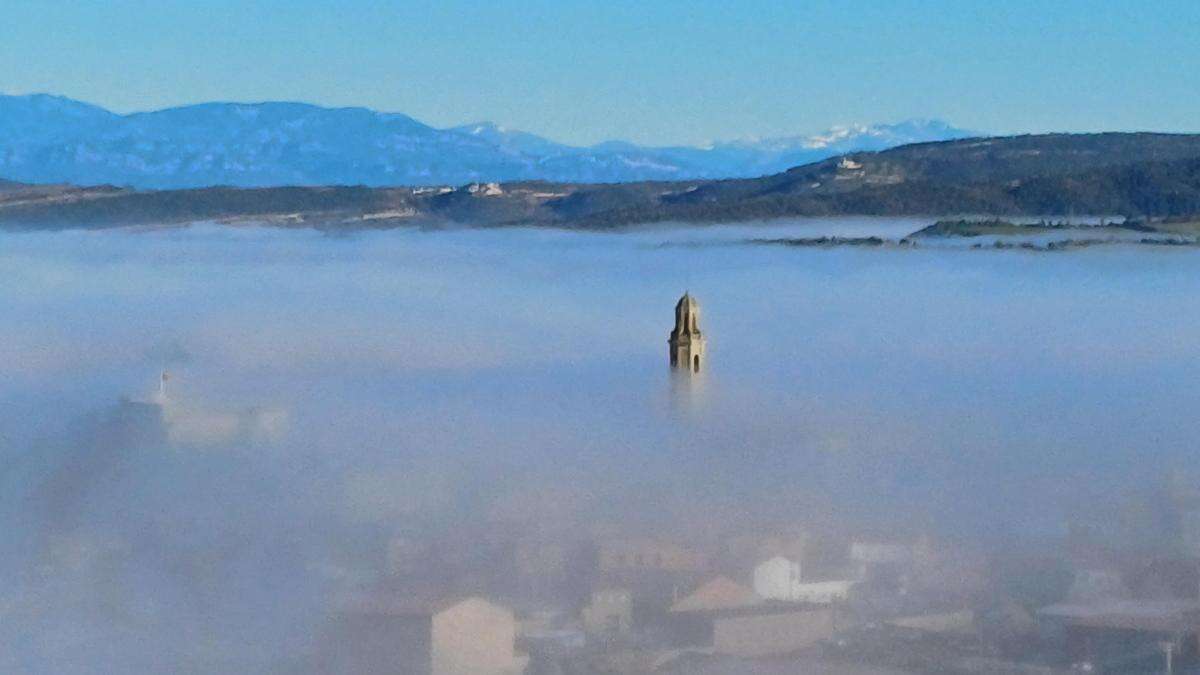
{"x":687,"y":342}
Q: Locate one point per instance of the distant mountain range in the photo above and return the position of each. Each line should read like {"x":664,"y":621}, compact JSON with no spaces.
{"x":1140,"y":175}
{"x":51,"y":139}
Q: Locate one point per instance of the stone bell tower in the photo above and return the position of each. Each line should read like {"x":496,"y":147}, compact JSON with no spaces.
{"x":687,"y":343}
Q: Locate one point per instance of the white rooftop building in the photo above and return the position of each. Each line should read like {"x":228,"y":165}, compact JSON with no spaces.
{"x":779,"y":579}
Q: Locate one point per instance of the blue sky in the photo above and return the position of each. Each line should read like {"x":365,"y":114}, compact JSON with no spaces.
{"x":663,"y":72}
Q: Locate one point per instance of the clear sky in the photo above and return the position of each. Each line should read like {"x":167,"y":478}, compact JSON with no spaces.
{"x":667,"y":71}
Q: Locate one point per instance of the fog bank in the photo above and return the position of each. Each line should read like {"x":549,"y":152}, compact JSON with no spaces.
{"x":459,"y":382}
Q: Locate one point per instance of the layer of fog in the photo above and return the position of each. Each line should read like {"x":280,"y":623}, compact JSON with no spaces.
{"x":450,"y":380}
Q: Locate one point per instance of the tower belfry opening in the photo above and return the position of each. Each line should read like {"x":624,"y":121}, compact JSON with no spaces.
{"x":686,"y":341}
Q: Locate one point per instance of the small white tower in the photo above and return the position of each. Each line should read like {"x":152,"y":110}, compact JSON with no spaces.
{"x":161,"y":397}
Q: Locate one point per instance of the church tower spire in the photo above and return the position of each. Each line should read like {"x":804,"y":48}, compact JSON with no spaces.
{"x":687,"y":342}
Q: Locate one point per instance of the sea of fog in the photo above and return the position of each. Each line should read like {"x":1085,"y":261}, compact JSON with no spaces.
{"x":448,"y":379}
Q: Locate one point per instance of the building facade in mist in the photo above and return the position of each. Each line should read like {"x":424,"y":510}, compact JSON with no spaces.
{"x":468,"y":636}
{"x":687,"y":342}
{"x":776,"y":578}
{"x":732,"y":620}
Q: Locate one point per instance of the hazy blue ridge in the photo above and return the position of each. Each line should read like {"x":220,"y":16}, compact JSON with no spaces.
{"x":51,"y":139}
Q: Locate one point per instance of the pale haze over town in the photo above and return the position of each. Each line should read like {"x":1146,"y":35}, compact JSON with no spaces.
{"x":569,"y":338}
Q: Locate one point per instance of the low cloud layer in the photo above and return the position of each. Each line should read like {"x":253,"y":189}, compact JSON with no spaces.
{"x":451,"y":380}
